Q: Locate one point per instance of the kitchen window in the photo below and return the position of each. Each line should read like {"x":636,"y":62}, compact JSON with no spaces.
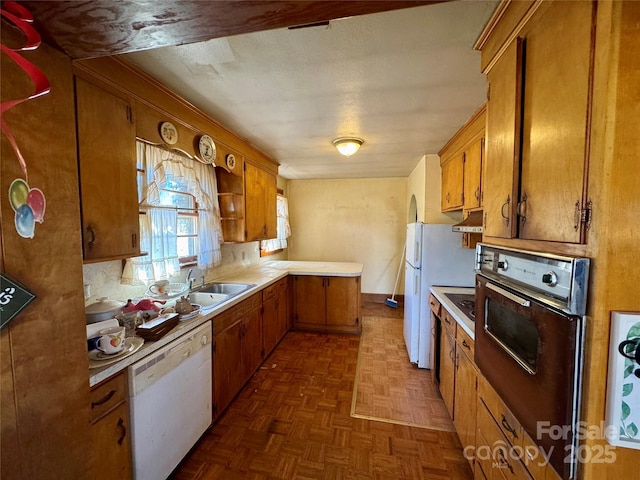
{"x":179,"y":215}
{"x":187,"y":224}
{"x":275,"y":245}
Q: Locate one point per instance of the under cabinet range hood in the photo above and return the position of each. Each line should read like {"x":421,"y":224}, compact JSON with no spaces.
{"x":471,"y":224}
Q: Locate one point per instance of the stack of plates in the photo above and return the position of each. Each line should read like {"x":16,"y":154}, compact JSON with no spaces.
{"x":158,"y":327}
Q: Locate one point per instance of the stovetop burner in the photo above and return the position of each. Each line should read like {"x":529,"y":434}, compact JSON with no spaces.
{"x":466,"y":302}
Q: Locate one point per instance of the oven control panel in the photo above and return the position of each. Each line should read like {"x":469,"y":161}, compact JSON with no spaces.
{"x":558,"y":280}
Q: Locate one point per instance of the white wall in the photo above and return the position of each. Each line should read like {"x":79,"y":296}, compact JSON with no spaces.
{"x":351,"y":220}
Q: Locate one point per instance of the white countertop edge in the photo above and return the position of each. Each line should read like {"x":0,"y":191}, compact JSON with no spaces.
{"x":261,"y":276}
{"x":465,"y":322}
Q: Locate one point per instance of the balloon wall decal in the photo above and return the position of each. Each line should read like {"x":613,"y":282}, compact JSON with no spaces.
{"x":29,"y":204}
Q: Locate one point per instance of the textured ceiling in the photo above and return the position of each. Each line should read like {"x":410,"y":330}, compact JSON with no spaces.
{"x":404,"y":81}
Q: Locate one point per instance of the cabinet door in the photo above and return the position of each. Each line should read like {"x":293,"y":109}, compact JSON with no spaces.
{"x":270,"y":325}
{"x":107,"y":163}
{"x":447,"y":369}
{"x":452,"y":183}
{"x":503,"y":140}
{"x":252,"y":350}
{"x":227,"y":366}
{"x":309,"y":300}
{"x":472,"y":174}
{"x":465,"y":399}
{"x":555,"y":121}
{"x":343,"y":302}
{"x":282,"y":310}
{"x":111,"y":445}
{"x":260,"y":203}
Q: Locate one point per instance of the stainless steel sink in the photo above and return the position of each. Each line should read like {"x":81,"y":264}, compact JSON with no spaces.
{"x":230,"y":289}
{"x":213,"y":294}
{"x":207,"y":300}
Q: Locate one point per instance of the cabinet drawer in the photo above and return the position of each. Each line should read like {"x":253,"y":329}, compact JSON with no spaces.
{"x":449,"y":323}
{"x":434,"y":305}
{"x":464,"y":340}
{"x":253,"y":302}
{"x":108,"y":394}
{"x":504,"y":459}
{"x":509,"y":426}
{"x":273,"y":289}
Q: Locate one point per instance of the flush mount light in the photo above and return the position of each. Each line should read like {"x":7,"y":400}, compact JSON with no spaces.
{"x":347,"y":146}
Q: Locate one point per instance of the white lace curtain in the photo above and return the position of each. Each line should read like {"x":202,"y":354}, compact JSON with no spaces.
{"x":283,"y":230}
{"x":158,"y":228}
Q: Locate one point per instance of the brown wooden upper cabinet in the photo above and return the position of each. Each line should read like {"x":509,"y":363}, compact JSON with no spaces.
{"x":247,"y":196}
{"x":538,"y":124}
{"x":107,"y":164}
{"x":453,"y":183}
{"x":461,"y":161}
{"x":260,"y":203}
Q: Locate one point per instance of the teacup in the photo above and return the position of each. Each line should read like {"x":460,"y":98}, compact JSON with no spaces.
{"x":111,"y":340}
{"x":160,"y":287}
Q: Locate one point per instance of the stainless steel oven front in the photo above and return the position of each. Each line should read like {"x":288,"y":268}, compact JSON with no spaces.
{"x":529,"y":340}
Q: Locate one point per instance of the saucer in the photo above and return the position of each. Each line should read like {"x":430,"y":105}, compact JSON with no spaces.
{"x":99,"y":359}
{"x":194,"y":313}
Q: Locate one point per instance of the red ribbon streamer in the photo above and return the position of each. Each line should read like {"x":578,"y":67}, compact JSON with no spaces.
{"x":22,"y":18}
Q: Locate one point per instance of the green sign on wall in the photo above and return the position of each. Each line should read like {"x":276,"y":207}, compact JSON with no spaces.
{"x":13,"y":298}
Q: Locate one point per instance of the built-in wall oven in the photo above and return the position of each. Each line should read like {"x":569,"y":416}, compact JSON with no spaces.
{"x":529,"y":340}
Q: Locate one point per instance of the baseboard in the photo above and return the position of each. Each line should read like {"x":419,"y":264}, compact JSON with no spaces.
{"x":381,"y":298}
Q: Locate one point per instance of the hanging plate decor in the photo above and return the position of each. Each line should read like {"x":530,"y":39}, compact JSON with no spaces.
{"x":168,"y":133}
{"x":207,"y":148}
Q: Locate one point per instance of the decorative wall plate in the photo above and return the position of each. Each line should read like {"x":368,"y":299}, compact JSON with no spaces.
{"x":231,"y":161}
{"x":207,"y":148}
{"x":168,"y":133}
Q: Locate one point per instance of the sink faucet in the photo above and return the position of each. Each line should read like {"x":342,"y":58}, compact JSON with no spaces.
{"x":189,"y":279}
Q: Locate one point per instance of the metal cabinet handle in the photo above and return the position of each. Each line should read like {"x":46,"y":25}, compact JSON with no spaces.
{"x":477,"y":193}
{"x":92,"y":239}
{"x":104,"y":399}
{"x":522,"y":209}
{"x":466,"y":345}
{"x":123,"y":431}
{"x":508,"y":427}
{"x":503,"y":461}
{"x":446,"y":319}
{"x":505,"y":204}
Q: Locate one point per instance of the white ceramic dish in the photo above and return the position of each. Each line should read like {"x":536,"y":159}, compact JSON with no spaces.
{"x":98,"y":359}
{"x":194,"y":313}
{"x":173,"y":290}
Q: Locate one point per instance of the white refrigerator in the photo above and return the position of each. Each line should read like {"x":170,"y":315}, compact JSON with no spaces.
{"x":434,"y":258}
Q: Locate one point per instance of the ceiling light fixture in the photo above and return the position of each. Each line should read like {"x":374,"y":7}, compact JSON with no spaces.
{"x":347,"y":146}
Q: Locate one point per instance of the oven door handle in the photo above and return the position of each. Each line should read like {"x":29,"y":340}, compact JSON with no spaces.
{"x":519,"y":300}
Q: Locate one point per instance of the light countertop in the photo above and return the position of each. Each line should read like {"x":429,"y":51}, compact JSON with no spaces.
{"x":465,"y":322}
{"x":261,"y":276}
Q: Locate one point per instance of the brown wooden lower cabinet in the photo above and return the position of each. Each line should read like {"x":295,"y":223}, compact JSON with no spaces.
{"x":110,"y":429}
{"x":275,"y":314}
{"x":328,"y":304}
{"x":504,"y":451}
{"x":447,"y":369}
{"x":237,"y":350}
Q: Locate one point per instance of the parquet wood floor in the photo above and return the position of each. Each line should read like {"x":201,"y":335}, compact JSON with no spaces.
{"x":292,"y":421}
{"x":388,"y":387}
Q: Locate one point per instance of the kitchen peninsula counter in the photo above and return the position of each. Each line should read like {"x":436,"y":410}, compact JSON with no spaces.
{"x":261,"y":276}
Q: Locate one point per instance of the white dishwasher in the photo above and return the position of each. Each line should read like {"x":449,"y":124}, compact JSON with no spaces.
{"x":170,"y":403}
